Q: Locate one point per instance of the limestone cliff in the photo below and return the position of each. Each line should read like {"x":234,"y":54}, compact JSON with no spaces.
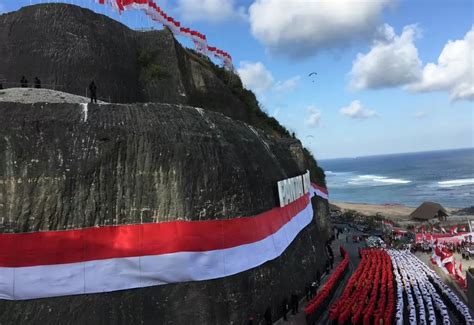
{"x":68,"y":46}
{"x":64,"y":166}
{"x":68,"y":166}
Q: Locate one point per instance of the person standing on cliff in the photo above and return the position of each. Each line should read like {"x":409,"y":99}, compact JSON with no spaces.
{"x":93,"y":91}
{"x":294,"y":304}
{"x":286,"y":309}
{"x":268,"y":316}
{"x":37,"y":82}
{"x":23,"y":82}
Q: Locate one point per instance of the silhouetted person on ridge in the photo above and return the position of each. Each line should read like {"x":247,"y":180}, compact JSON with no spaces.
{"x":286,"y":309}
{"x":268,"y":316}
{"x":37,"y":82}
{"x":294,"y":304}
{"x":1,"y":86}
{"x":93,"y":91}
{"x":24,"y":82}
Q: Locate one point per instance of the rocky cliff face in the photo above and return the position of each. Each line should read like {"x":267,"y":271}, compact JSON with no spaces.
{"x":68,"y":46}
{"x":68,"y":166}
{"x":117,"y":164}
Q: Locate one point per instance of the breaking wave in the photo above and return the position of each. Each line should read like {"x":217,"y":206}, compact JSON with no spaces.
{"x":456,"y":182}
{"x":375,"y":180}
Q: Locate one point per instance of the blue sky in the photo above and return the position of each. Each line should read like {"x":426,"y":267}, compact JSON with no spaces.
{"x":393,"y":75}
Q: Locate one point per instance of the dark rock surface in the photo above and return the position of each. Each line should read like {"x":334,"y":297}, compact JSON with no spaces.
{"x":61,"y":168}
{"x":134,"y":163}
{"x":68,"y":46}
{"x":65,"y":166}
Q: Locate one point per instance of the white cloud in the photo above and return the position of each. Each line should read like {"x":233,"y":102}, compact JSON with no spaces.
{"x":356,"y":111}
{"x":214,"y":11}
{"x":454,"y":71}
{"x":314,"y":116}
{"x":287,"y":85}
{"x":255,"y":76}
{"x":419,"y":114}
{"x":392,"y":61}
{"x":302,"y":28}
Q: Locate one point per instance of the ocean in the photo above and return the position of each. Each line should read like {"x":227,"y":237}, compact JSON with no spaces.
{"x":446,"y":177}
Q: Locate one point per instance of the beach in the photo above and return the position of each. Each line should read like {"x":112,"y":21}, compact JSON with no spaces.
{"x":390,"y":211}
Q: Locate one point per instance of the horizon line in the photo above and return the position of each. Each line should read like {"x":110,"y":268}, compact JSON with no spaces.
{"x":396,"y":153}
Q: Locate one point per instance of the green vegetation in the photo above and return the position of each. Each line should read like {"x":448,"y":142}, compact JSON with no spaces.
{"x":372,"y":222}
{"x":256,"y":115}
{"x":150,"y":71}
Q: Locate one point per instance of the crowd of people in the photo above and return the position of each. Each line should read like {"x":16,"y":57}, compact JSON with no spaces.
{"x":463,"y":247}
{"x":423,"y":288}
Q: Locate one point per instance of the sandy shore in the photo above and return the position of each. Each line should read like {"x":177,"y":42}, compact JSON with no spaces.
{"x":391,"y":211}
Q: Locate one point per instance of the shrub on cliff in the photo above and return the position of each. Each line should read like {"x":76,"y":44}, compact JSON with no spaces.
{"x":150,"y":71}
{"x":257,"y":116}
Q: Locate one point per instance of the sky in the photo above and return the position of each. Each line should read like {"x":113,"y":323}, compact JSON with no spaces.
{"x":391,"y":75}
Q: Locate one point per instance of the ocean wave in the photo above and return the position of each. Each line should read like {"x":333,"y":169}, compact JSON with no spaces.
{"x":329,"y":172}
{"x":375,"y":180}
{"x":456,"y":182}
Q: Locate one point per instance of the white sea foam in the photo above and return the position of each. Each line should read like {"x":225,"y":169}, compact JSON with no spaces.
{"x":457,"y":182}
{"x":329,"y":172}
{"x":374,"y":180}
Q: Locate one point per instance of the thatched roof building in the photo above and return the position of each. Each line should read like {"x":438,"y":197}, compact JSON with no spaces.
{"x":429,"y":210}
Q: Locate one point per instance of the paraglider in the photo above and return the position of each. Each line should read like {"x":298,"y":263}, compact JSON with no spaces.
{"x":313,"y":74}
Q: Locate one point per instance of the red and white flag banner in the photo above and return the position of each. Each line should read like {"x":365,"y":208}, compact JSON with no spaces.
{"x":442,"y":238}
{"x":155,"y":13}
{"x":111,"y":258}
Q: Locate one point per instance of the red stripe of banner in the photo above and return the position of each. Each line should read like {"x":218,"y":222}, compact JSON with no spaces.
{"x":71,"y":246}
{"x":322,"y":189}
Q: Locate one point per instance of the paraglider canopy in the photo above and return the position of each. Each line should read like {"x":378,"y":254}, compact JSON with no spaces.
{"x":313,"y":74}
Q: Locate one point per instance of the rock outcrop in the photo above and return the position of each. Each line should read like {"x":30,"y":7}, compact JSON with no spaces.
{"x":66,"y":166}
{"x":68,"y":46}
{"x":100,"y":165}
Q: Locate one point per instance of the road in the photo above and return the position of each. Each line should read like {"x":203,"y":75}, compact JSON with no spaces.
{"x":353,"y":251}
